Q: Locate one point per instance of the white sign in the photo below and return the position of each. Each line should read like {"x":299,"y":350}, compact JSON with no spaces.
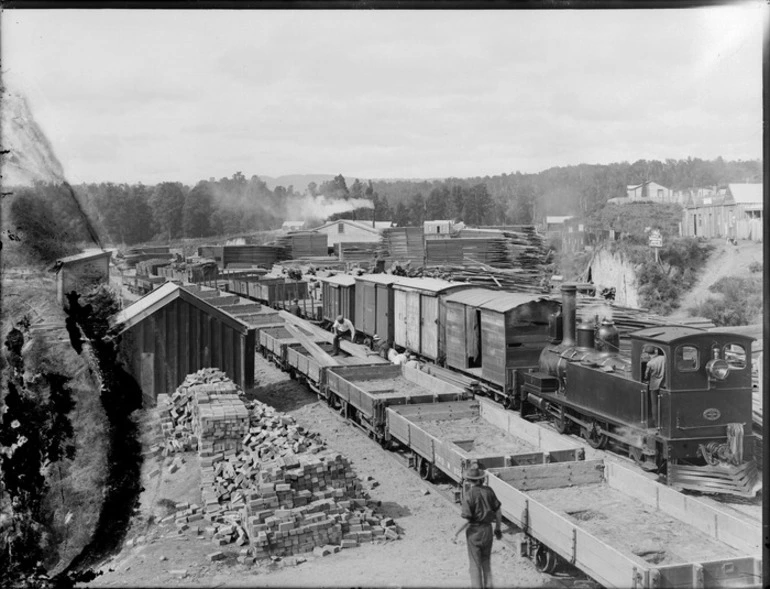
{"x":656,"y":239}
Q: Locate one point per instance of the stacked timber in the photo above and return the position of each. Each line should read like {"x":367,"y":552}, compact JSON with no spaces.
{"x":303,"y":244}
{"x":355,"y":251}
{"x":404,"y":244}
{"x":227,"y":256}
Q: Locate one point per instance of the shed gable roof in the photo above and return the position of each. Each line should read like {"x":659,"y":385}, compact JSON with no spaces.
{"x":356,"y":224}
{"x":746,"y":193}
{"x":162,"y":296}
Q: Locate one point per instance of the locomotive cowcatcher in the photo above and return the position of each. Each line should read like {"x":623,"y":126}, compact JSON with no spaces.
{"x":698,"y":434}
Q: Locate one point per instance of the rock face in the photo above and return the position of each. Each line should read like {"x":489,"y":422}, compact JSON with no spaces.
{"x":31,"y":156}
{"x":610,"y":270}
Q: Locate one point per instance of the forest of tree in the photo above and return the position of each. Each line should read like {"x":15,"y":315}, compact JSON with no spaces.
{"x":129,"y":214}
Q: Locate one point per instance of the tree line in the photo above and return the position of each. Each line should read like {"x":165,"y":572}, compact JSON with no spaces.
{"x":57,"y":216}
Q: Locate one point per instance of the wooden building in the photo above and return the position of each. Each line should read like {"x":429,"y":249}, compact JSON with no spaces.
{"x":80,"y":273}
{"x":338,"y":296}
{"x":491,"y":333}
{"x":347,"y":230}
{"x":734,"y":212}
{"x":419,"y":312}
{"x":374,"y":305}
{"x":176,"y":330}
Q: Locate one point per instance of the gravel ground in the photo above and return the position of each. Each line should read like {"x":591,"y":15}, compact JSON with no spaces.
{"x":157,"y":555}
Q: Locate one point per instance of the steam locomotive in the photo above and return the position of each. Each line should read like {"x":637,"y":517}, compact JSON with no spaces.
{"x":697,"y":432}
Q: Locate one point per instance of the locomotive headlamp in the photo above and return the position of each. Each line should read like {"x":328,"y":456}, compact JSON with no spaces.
{"x":718,"y":369}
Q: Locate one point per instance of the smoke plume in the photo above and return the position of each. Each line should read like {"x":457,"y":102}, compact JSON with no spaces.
{"x":307,"y":207}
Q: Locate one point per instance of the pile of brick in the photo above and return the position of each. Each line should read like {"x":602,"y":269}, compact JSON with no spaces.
{"x":178,"y":411}
{"x":266,"y":481}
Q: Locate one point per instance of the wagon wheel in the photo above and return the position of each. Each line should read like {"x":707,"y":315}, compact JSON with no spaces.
{"x":593,"y":437}
{"x":546,"y":560}
{"x":425,"y":468}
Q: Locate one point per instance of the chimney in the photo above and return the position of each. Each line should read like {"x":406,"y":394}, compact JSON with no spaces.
{"x":568,"y":309}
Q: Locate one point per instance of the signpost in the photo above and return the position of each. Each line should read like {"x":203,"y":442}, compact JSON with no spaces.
{"x":656,"y":242}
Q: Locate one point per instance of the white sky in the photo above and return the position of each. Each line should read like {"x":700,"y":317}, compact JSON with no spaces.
{"x":147,"y":95}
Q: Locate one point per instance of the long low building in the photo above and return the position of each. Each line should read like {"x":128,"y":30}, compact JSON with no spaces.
{"x":176,"y":330}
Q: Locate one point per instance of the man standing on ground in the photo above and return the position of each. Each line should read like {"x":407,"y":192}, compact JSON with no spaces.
{"x":655,"y":373}
{"x":294,"y":308}
{"x":480,"y":507}
{"x":342,"y":328}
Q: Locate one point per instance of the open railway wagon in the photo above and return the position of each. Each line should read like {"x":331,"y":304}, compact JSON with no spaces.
{"x":363,"y":393}
{"x":273,"y":343}
{"x":491,"y":334}
{"x":452,"y":437}
{"x":420,"y":314}
{"x":625,"y":530}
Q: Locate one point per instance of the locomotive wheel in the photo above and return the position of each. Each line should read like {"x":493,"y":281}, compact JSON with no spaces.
{"x":546,"y":561}
{"x":562,"y":423}
{"x":595,"y":440}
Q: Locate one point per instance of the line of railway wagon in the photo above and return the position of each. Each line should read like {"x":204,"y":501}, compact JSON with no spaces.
{"x":598,"y":515}
{"x":527,"y":352}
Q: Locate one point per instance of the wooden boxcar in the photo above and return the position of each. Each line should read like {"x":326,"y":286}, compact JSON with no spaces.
{"x":374,"y":305}
{"x":492,"y":333}
{"x":338,"y":296}
{"x":420,"y":314}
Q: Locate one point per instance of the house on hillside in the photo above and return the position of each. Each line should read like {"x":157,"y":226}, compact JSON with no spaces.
{"x":347,"y":230}
{"x":734,"y":212}
{"x":649,"y":191}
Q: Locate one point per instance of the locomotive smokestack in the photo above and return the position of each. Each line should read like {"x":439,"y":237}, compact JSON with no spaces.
{"x":568,"y":308}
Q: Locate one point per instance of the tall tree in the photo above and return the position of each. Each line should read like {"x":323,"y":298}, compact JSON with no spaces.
{"x":197,"y":211}
{"x":167,"y":202}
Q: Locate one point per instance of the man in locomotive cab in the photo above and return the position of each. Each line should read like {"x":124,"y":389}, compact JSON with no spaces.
{"x":655,"y":374}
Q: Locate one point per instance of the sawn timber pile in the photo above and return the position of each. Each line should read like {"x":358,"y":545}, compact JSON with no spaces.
{"x":275,"y":487}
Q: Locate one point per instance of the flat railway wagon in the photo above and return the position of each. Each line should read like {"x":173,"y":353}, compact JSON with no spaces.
{"x":492,"y":334}
{"x":363,"y":393}
{"x":625,"y":530}
{"x":338,"y":297}
{"x":454,"y":436}
{"x":420,"y":314}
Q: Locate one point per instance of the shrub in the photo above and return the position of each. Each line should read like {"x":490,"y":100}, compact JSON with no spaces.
{"x":739,"y":302}
{"x":756,"y":267}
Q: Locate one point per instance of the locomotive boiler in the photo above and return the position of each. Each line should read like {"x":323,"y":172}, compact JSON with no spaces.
{"x":696,"y":430}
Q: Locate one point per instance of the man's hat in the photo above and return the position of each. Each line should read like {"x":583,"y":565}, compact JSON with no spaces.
{"x":474,"y":474}
{"x":376,"y":337}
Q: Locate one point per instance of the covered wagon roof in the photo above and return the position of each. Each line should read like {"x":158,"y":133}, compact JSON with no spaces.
{"x":339,"y":280}
{"x":379,"y":278}
{"x":162,"y":296}
{"x":493,"y":300}
{"x":431,"y":285}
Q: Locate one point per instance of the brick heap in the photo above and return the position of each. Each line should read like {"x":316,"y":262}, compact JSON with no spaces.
{"x":220,"y":419}
{"x":178,"y":411}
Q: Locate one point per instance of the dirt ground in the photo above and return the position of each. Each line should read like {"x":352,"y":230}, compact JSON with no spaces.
{"x":156,"y":554}
{"x":725,"y":260}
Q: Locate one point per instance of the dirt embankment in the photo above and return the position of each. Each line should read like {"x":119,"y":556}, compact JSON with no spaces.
{"x":725,"y":260}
